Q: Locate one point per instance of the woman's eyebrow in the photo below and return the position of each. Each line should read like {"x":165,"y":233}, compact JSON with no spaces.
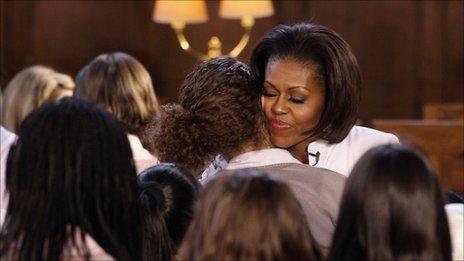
{"x":289,"y":89}
{"x":268,"y":82}
{"x":298,"y":87}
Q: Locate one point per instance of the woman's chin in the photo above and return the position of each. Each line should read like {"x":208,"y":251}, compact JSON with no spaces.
{"x":281,"y":143}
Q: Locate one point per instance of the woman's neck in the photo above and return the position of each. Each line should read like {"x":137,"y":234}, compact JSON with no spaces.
{"x":300,"y":150}
{"x":261,"y":140}
{"x":247,"y":147}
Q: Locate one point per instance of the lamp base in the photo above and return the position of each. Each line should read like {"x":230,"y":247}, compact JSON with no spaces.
{"x":214,"y":44}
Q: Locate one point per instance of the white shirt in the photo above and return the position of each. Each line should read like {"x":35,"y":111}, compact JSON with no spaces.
{"x":250,"y":159}
{"x":259,"y":158}
{"x":455,"y":214}
{"x":7,"y":139}
{"x":142,"y":158}
{"x":341,"y":157}
{"x":216,"y":165}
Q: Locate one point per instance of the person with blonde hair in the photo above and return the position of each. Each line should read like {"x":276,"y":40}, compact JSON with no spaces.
{"x":120,"y":84}
{"x":29,"y":89}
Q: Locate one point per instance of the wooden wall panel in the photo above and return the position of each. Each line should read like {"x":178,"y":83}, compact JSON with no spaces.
{"x":429,"y":51}
{"x":16,"y":48}
{"x":453,"y":50}
{"x":410,"y":52}
{"x":446,"y":155}
{"x":382,"y":36}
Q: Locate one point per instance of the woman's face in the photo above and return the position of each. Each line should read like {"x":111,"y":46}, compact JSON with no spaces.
{"x":293,"y":100}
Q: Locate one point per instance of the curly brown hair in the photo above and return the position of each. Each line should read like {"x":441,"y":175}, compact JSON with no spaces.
{"x":218,"y":112}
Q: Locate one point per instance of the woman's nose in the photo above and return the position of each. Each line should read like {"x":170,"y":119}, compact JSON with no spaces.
{"x":279,"y":106}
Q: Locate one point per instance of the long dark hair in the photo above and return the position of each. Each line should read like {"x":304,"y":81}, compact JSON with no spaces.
{"x":392,"y":209}
{"x":71,"y":171}
{"x":248,"y":216}
{"x":168,"y":193}
{"x":319,"y":46}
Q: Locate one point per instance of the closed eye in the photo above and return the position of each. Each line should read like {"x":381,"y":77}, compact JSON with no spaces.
{"x":297,"y":100}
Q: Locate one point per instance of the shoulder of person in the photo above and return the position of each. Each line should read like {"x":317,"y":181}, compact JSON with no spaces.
{"x":369,"y":136}
{"x":455,"y":215}
{"x":322,"y":173}
{"x":324,"y":177}
{"x":298,"y":171}
{"x":331,"y":182}
{"x":6,"y":136}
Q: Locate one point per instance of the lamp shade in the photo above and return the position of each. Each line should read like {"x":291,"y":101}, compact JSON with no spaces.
{"x":236,"y":9}
{"x":189,"y":12}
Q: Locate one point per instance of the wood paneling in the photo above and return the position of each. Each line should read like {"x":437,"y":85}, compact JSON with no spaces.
{"x":410,"y":52}
{"x":382,"y":36}
{"x":446,"y":154}
{"x":443,"y":111}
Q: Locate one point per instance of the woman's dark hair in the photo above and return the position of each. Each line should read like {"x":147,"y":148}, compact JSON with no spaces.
{"x":218,"y":112}
{"x":119,"y":83}
{"x":392,"y":209}
{"x":320,"y":47}
{"x":167,"y":193}
{"x":248,"y":216}
{"x":71,"y":173}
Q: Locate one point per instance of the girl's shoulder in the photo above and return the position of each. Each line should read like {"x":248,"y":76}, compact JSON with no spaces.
{"x":359,"y":134}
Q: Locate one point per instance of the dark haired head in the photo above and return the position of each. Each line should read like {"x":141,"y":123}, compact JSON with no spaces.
{"x":70,"y":171}
{"x":218,"y":112}
{"x":119,"y":83}
{"x":392,"y":209}
{"x":168,"y":193}
{"x":248,"y":216}
{"x":321,"y":49}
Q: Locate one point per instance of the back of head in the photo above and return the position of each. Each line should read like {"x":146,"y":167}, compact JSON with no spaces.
{"x":119,"y":83}
{"x":70,"y":170}
{"x":218,"y":112}
{"x":29,"y":89}
{"x":392,"y":209}
{"x":248,"y":215}
{"x":168,"y":193}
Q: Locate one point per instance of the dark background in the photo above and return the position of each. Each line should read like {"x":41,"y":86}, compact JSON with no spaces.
{"x":410,"y":52}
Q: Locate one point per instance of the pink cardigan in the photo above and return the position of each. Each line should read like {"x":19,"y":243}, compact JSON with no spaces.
{"x":74,"y":252}
{"x":142,"y":158}
{"x":71,"y":252}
